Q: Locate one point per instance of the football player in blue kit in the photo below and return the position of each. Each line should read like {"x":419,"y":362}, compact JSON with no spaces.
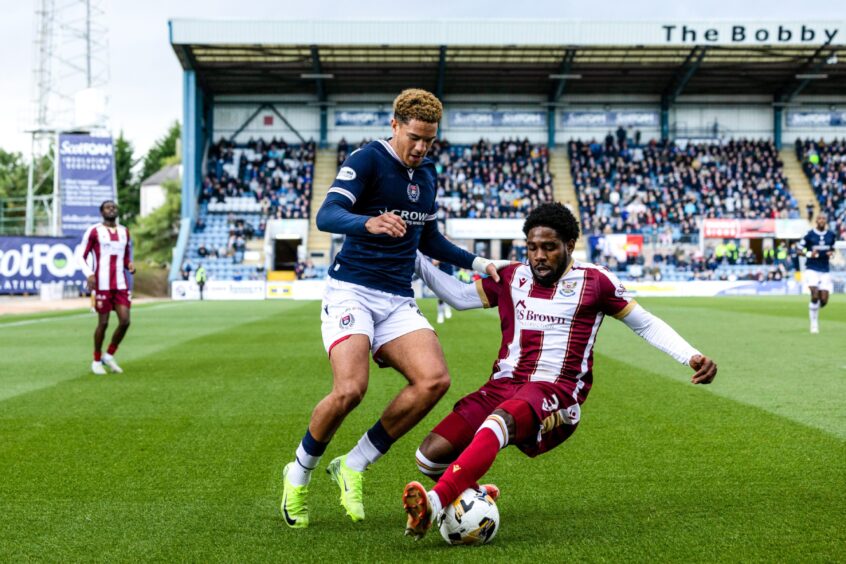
{"x":818,"y":246}
{"x":383,"y":200}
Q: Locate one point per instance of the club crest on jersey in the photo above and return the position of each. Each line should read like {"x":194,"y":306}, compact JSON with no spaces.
{"x":413,"y":192}
{"x":347,"y":321}
{"x":568,"y":288}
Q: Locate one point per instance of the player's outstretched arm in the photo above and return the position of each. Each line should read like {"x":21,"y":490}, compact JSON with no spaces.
{"x":454,"y":292}
{"x":660,"y":335}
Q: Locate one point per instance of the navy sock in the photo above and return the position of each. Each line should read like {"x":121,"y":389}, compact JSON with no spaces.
{"x":312,"y":446}
{"x":379,"y":437}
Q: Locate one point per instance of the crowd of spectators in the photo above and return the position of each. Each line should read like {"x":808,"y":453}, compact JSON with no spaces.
{"x":635,"y":189}
{"x":239,"y":232}
{"x":505,"y":179}
{"x":824,"y":164}
{"x":278,"y":175}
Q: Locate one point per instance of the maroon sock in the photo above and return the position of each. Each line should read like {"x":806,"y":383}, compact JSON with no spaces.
{"x":471,"y":465}
{"x":112,"y":348}
{"x":97,"y":355}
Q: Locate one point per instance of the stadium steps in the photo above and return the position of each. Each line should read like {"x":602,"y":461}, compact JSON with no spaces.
{"x":325,"y":170}
{"x":564,"y":190}
{"x":800,"y":187}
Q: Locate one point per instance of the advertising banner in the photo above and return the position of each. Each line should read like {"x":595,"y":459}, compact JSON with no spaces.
{"x":624,"y":118}
{"x":713,"y":288}
{"x":219,"y":290}
{"x":296,"y":290}
{"x":361,"y":118}
{"x":28,"y":262}
{"x":621,"y":246}
{"x":816,"y":118}
{"x":465,"y":228}
{"x":480,"y":118}
{"x":86,"y":179}
{"x":738,"y":228}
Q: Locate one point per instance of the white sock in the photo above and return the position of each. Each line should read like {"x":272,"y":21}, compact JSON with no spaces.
{"x":435,"y":502}
{"x":300,"y":472}
{"x":441,"y":307}
{"x":363,"y":454}
{"x":814,"y":311}
{"x":447,"y":311}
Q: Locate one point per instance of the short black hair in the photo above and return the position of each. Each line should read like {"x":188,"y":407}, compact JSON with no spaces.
{"x":555,"y":216}
{"x":103,"y":205}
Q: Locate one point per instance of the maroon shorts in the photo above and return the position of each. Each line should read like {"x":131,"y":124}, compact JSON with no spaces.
{"x":108,"y":300}
{"x":557,"y":413}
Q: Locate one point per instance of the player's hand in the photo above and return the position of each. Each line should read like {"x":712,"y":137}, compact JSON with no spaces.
{"x":489,"y":267}
{"x":131,"y":268}
{"x":386,"y":224}
{"x":491,"y":270}
{"x":706,"y":369}
{"x":91,"y":282}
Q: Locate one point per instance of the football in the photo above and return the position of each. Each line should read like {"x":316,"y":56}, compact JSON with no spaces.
{"x":473,"y":518}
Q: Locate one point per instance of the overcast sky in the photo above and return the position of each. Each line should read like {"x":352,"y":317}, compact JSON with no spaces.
{"x":145,"y":78}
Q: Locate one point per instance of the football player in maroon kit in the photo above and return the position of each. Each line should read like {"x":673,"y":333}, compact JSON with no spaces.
{"x":550,"y":312}
{"x":110,"y":248}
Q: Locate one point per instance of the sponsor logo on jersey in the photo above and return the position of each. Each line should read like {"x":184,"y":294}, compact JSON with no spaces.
{"x":412,"y":217}
{"x":568,"y":288}
{"x":346,"y":173}
{"x":413,"y":192}
{"x":529,"y":317}
{"x":522,"y":282}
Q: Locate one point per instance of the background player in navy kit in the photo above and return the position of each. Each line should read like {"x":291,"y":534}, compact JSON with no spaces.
{"x":383,"y":200}
{"x":818,"y":246}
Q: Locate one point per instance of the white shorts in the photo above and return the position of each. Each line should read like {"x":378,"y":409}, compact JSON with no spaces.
{"x":821,"y":280}
{"x":351,"y":309}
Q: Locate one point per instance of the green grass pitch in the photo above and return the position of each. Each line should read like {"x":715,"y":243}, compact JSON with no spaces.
{"x":180,"y":458}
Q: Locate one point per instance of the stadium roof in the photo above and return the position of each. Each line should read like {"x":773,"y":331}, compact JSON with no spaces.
{"x":516,"y":57}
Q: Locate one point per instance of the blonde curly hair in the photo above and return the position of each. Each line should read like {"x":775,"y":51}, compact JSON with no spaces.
{"x":414,"y":103}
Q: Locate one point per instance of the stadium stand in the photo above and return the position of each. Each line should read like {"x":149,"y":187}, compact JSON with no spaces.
{"x":646,"y":188}
{"x":244,"y":186}
{"x":824,"y":164}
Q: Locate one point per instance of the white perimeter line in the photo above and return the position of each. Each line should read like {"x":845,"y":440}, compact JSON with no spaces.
{"x":84,"y":314}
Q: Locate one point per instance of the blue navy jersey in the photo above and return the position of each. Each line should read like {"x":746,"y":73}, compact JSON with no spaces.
{"x":373,"y":181}
{"x":822,"y":242}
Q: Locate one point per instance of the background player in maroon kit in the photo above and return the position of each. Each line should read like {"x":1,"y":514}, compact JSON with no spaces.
{"x":108,"y":245}
{"x":551,"y":311}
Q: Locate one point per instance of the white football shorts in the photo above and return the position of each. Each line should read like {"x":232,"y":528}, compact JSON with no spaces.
{"x":821,"y":280}
{"x":351,"y":309}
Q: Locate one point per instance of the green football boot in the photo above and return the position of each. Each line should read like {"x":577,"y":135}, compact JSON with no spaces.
{"x":351,"y":484}
{"x":294,"y":503}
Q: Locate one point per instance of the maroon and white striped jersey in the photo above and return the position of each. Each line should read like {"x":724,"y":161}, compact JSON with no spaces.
{"x":106,"y":254}
{"x":548,"y":333}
